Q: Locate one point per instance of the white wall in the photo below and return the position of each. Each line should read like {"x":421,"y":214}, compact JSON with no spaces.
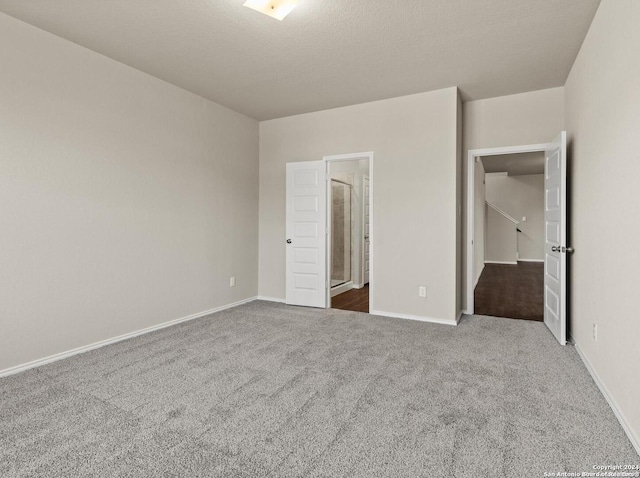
{"x":125,"y":202}
{"x":526,"y":118}
{"x":460,"y":273}
{"x":521,"y":196}
{"x":501,"y":238}
{"x":414,"y":187}
{"x":603,"y":121}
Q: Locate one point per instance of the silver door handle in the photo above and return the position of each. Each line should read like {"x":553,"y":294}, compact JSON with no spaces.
{"x":562,"y":249}
{"x":288,"y":241}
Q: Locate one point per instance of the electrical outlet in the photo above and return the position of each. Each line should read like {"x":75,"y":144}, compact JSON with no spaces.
{"x":232,"y":281}
{"x":595,"y":332}
{"x":422,"y":291}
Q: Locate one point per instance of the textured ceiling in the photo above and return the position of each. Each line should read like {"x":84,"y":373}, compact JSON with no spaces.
{"x":514,"y":164}
{"x":327,"y":53}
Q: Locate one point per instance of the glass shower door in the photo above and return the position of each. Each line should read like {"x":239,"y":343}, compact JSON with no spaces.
{"x":340,"y":232}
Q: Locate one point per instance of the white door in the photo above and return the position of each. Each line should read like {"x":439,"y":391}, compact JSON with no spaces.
{"x":555,"y":219}
{"x":306,"y":234}
{"x":365,"y":228}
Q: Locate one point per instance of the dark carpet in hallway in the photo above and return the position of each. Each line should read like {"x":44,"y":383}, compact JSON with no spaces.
{"x":512,"y":291}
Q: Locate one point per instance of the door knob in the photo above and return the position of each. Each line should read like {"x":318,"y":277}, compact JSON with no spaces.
{"x":555,"y":249}
{"x":288,"y":241}
{"x":567,"y":249}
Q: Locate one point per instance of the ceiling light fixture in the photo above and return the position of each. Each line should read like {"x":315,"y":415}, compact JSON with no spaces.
{"x":277,"y":9}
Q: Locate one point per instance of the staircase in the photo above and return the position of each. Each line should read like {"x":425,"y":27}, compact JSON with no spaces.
{"x":501,"y":243}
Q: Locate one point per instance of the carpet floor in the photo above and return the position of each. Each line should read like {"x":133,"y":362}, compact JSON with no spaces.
{"x":270,"y":390}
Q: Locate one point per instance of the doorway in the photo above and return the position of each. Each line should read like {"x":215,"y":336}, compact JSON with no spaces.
{"x":510,"y":236}
{"x":349,"y":233}
{"x":311,"y":280}
{"x":554,"y":253}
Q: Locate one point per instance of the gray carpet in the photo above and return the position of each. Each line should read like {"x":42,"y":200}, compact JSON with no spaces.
{"x":269,"y":390}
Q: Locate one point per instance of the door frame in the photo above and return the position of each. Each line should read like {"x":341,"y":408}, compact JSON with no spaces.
{"x":349,"y":157}
{"x":471,"y":162}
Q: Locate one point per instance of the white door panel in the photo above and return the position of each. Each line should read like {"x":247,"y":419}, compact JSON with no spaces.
{"x":555,"y":217}
{"x":306,"y":234}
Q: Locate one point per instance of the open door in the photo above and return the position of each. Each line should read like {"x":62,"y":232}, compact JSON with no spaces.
{"x":306,"y":234}
{"x":555,"y":219}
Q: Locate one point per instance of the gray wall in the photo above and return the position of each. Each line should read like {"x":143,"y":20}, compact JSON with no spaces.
{"x":501,"y":241}
{"x":460,"y":272}
{"x":414,"y":193}
{"x":603,"y":121}
{"x":125,"y":202}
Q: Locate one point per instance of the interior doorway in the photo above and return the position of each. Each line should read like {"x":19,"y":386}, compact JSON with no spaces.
{"x":349,"y":244}
{"x":310,"y":279}
{"x":510,"y":236}
{"x":554,"y":229}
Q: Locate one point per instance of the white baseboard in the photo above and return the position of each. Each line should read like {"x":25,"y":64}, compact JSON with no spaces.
{"x":414,"y":317}
{"x":339,"y":289}
{"x":459,"y":316}
{"x":502,"y":262}
{"x":633,"y":437}
{"x":271,"y":299}
{"x":119,"y":338}
{"x":358,"y":286}
{"x":530,"y":260}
